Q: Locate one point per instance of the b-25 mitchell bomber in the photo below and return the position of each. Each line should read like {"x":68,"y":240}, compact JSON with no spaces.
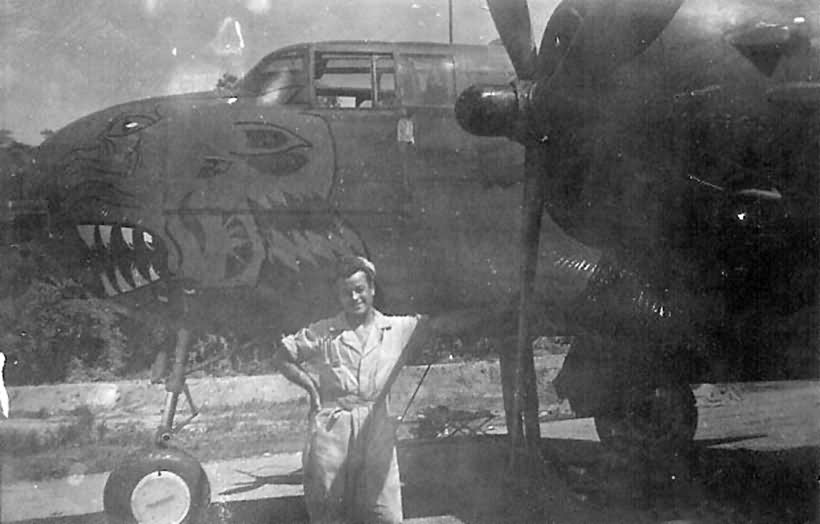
{"x":226,"y":210}
{"x":674,"y":143}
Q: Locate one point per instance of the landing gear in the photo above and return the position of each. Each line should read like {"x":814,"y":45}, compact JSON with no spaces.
{"x":161,"y":485}
{"x":158,"y":485}
{"x":652,"y":419}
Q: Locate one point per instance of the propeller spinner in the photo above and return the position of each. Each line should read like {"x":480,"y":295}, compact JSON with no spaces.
{"x":556,"y":89}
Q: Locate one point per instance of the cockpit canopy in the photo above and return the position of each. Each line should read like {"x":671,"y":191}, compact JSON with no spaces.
{"x":362,"y":75}
{"x":278,"y":78}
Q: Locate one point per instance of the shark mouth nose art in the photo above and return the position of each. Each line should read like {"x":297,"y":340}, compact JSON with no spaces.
{"x":126,"y":258}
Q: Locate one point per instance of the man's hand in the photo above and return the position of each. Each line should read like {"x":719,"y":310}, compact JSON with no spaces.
{"x":294,"y":373}
{"x":315,"y":403}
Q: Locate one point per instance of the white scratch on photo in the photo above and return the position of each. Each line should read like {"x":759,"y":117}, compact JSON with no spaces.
{"x":4,"y":395}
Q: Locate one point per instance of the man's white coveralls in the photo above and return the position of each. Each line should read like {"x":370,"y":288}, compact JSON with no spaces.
{"x":350,"y":469}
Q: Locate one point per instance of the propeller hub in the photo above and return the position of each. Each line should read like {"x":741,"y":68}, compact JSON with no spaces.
{"x":494,"y":110}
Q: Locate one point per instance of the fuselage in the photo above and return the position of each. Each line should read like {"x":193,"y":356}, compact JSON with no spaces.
{"x":320,"y":150}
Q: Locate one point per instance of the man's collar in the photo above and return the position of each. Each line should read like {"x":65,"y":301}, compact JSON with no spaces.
{"x":339,"y":322}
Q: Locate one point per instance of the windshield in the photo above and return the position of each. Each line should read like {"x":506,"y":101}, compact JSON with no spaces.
{"x":278,"y":78}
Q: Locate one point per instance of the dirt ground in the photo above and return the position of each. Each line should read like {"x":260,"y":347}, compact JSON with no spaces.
{"x":755,"y":461}
{"x":54,"y":428}
{"x":467,"y":480}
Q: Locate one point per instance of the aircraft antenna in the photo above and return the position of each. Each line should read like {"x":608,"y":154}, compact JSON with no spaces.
{"x":450,"y":13}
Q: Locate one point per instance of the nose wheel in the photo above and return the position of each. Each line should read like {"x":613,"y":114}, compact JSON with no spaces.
{"x":157,"y":486}
{"x":162,"y":484}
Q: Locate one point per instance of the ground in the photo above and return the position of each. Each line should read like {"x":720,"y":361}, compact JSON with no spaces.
{"x":755,"y":460}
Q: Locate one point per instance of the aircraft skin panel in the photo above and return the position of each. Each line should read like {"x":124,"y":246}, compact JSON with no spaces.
{"x":439,"y":218}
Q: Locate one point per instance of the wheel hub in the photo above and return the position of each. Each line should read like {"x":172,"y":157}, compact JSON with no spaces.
{"x":162,"y":497}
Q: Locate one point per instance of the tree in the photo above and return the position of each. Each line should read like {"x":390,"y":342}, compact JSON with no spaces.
{"x":6,"y":138}
{"x":227,"y":82}
{"x":16,"y":161}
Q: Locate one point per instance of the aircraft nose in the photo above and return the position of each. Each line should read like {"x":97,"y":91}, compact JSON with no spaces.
{"x":103,"y":144}
{"x":98,"y":227}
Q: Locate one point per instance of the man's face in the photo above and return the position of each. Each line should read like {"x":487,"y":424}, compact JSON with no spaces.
{"x":355,"y":294}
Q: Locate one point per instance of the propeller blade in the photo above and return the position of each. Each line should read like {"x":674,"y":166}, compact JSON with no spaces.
{"x":525,"y":396}
{"x":584,"y":42}
{"x":512,"y":20}
{"x":589,"y":39}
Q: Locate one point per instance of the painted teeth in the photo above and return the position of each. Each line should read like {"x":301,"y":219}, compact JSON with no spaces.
{"x":137,"y":277}
{"x":105,"y":234}
{"x":114,"y":247}
{"x":109,"y":288}
{"x":121,"y":285}
{"x":121,"y":282}
{"x":128,"y":235}
{"x":87,"y":234}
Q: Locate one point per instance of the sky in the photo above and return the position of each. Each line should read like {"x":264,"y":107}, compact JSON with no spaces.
{"x":62,"y":59}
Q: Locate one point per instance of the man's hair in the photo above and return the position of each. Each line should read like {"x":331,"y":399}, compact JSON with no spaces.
{"x":349,"y":265}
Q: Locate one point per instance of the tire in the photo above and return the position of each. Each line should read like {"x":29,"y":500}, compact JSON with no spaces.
{"x":651,"y":420}
{"x":170,"y":478}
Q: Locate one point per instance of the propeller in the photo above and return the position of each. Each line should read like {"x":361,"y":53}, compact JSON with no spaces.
{"x":512,"y":19}
{"x":555,"y":92}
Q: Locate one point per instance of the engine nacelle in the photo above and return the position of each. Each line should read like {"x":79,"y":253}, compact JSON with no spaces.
{"x":489,"y":110}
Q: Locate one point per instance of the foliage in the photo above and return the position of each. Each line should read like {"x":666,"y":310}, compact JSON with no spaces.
{"x":143,"y":341}
{"x":16,"y":166}
{"x":52,"y":336}
{"x":50,"y":330}
{"x":227,"y":82}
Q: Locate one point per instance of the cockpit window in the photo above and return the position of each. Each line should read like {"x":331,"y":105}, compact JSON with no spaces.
{"x":279,"y":78}
{"x":347,"y":80}
{"x":431,"y":81}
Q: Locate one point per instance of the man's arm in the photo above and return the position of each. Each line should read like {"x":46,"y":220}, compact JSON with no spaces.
{"x":423,"y":335}
{"x":292,"y":371}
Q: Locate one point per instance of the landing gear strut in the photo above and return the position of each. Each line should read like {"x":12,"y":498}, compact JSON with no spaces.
{"x":161,"y":484}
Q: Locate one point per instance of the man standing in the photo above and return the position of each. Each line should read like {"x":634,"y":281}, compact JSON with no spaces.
{"x":350,"y":469}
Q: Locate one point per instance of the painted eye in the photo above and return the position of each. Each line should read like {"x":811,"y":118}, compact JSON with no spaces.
{"x":126,"y":125}
{"x":271,"y":149}
{"x":265,"y":139}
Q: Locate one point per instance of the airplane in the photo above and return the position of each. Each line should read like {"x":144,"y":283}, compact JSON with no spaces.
{"x":227,"y":209}
{"x":672,"y":146}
